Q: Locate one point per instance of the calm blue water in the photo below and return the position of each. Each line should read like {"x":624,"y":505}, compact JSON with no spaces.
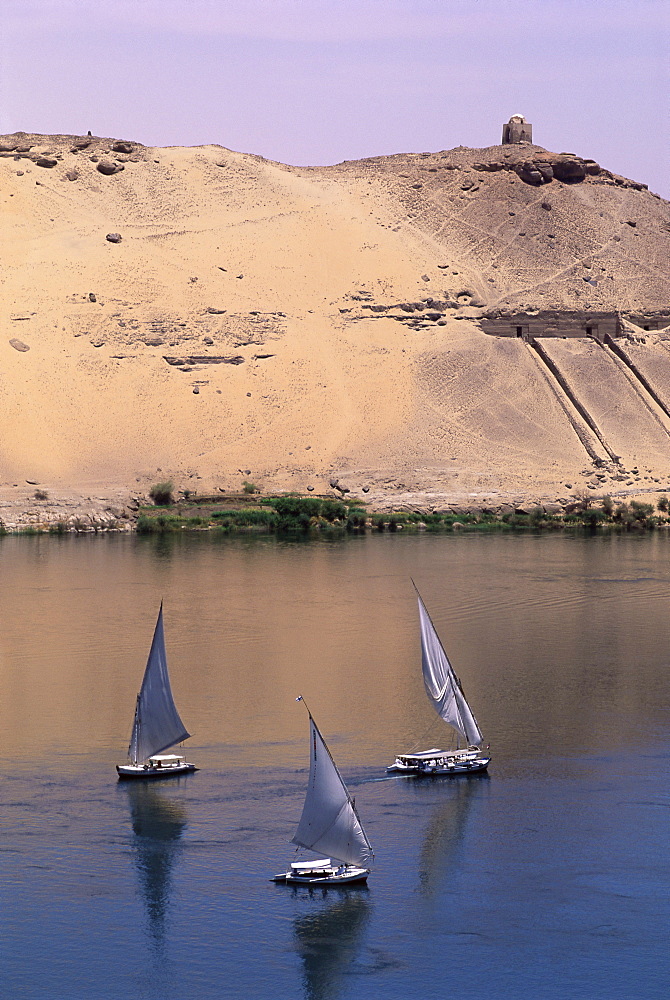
{"x":548,"y":878}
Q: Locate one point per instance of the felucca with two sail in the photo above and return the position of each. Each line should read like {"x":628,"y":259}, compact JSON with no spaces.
{"x":445,"y":693}
{"x":157,"y":725}
{"x":329,"y":824}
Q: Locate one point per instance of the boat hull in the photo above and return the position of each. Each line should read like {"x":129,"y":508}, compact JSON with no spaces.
{"x":349,"y":875}
{"x":146,"y":772}
{"x":433,"y":763}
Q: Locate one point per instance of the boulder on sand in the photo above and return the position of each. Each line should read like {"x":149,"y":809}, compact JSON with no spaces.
{"x":109,"y":167}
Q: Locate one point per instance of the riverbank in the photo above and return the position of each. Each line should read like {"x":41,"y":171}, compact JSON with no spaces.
{"x":249,"y":512}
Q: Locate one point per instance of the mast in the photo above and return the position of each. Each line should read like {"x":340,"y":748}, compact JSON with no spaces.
{"x":135,"y":735}
{"x":442,"y":685}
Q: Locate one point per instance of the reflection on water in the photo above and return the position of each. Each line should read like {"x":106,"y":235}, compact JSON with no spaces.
{"x":158,"y":820}
{"x":445,"y":835}
{"x":557,"y":862}
{"x":328,"y":940}
{"x":560,"y":642}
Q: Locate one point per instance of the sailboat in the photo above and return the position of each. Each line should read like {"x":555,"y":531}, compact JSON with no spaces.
{"x":329,"y":823}
{"x":157,"y":725}
{"x":446,"y":695}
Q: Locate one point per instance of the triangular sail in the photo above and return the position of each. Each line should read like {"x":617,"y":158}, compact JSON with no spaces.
{"x":441,"y":683}
{"x":329,"y":823}
{"x":157,"y":724}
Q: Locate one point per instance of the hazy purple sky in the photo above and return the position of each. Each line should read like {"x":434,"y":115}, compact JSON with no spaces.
{"x":319,"y":81}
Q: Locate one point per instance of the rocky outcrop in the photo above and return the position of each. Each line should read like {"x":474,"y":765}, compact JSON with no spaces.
{"x":569,"y":168}
{"x":109,"y":167}
{"x":207,"y":359}
{"x":491,"y":167}
{"x":534,"y":171}
{"x":565,"y":167}
{"x":65,"y":514}
{"x":544,"y":167}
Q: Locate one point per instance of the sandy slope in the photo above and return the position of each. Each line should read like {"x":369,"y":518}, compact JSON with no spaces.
{"x":269,"y":272}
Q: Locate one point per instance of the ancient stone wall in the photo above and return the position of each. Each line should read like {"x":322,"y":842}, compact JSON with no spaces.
{"x":649,"y":321}
{"x":552,"y":324}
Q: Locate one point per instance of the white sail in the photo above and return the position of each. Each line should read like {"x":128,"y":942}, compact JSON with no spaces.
{"x":441,"y":683}
{"x":157,"y":724}
{"x":329,"y":823}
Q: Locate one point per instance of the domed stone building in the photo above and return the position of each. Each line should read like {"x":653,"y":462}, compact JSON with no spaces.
{"x":517,"y":129}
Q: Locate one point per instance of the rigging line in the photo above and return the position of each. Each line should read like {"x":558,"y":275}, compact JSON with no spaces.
{"x":427,"y":614}
{"x":430,"y":729}
{"x":337,"y":770}
{"x":463,"y":728}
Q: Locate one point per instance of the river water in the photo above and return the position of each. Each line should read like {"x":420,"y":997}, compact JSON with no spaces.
{"x":547,"y":878}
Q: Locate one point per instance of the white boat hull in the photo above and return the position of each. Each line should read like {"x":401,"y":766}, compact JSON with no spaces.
{"x":332,"y":876}
{"x":147,"y":771}
{"x":440,"y":762}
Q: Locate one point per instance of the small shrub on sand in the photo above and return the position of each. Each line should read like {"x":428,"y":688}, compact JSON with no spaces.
{"x":161,"y":493}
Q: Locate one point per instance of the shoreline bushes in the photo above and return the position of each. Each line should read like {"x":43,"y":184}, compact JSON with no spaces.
{"x":295,"y":515}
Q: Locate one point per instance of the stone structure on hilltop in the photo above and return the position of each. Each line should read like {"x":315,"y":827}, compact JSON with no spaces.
{"x":517,"y":129}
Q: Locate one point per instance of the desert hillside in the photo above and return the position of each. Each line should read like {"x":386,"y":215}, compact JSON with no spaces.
{"x":213,"y":317}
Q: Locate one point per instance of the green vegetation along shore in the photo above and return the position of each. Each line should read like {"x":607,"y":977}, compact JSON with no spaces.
{"x":313,"y":516}
{"x":283,"y":515}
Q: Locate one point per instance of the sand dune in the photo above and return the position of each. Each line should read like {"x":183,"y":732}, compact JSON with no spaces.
{"x":255,"y":321}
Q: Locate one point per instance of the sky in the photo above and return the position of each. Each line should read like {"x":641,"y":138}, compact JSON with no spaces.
{"x":321,"y":81}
